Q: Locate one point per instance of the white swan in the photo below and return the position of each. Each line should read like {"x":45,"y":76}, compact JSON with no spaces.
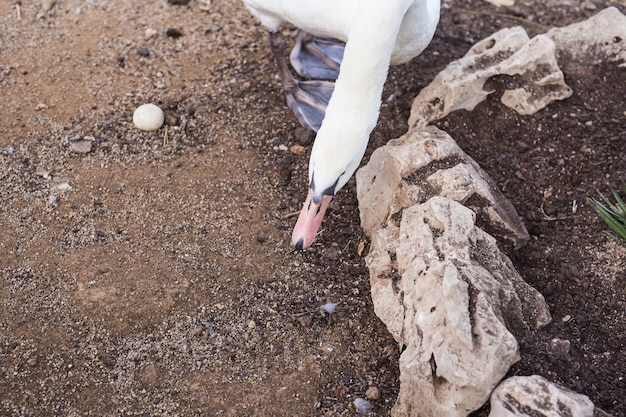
{"x":377,"y":33}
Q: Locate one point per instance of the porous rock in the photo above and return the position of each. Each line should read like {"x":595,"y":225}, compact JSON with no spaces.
{"x":439,"y":282}
{"x":535,"y":62}
{"x":522,"y":396}
{"x":507,"y":52}
{"x":601,"y":38}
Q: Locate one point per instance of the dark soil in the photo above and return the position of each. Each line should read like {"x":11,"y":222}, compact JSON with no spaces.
{"x":163,"y":282}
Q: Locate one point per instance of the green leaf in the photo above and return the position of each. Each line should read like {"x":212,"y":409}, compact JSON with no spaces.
{"x":613,"y":214}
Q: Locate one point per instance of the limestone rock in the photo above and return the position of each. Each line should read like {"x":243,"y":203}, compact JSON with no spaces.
{"x":439,"y":282}
{"x":507,"y":52}
{"x":427,"y":162}
{"x":522,"y":396}
{"x":601,"y":38}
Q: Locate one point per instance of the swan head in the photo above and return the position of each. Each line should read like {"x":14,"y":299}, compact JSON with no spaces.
{"x":334,"y":159}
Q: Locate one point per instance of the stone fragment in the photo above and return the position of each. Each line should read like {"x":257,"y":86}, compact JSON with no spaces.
{"x":522,"y":396}
{"x":81,"y":146}
{"x":148,"y":117}
{"x":601,"y":38}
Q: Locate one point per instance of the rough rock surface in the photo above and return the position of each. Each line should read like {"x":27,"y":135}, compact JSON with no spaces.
{"x":507,"y":52}
{"x":536,"y":396}
{"x":533,"y":62}
{"x":427,"y":162}
{"x":596,"y":39}
{"x":439,"y":282}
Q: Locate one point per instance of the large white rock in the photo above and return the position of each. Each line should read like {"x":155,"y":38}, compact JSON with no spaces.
{"x":523,"y":396}
{"x":439,"y":282}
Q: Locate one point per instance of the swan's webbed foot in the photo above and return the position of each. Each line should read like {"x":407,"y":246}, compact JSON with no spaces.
{"x":316,"y":58}
{"x":307,"y":99}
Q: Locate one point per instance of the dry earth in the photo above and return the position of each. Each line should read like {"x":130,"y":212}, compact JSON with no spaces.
{"x":162,"y":282}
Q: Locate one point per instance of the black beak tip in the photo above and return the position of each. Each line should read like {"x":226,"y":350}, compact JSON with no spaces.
{"x":299,"y":244}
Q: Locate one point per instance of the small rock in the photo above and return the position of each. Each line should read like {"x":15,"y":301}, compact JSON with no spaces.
{"x":61,"y":184}
{"x":363,"y":406}
{"x":32,"y":362}
{"x":178,"y":2}
{"x":47,"y":5}
{"x":560,"y":347}
{"x":297,"y":149}
{"x":198,"y":331}
{"x":204,"y":5}
{"x":536,"y":396}
{"x":174,"y":33}
{"x":81,"y":146}
{"x":372,"y":393}
{"x":171,"y":120}
{"x":143,"y":52}
{"x":41,"y":106}
{"x":150,"y":33}
{"x":42,"y":172}
{"x":251,"y":324}
{"x":148,"y":117}
{"x":329,"y":308}
{"x":304,"y":136}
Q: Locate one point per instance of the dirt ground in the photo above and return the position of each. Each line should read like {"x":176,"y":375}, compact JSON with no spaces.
{"x":163,"y":283}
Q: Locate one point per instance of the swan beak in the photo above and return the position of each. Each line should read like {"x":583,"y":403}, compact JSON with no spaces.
{"x":309,"y":221}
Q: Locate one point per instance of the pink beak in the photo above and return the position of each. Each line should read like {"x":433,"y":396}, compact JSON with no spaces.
{"x":309,"y":221}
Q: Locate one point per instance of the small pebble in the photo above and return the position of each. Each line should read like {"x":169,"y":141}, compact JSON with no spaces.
{"x":372,"y":393}
{"x":178,"y":2}
{"x":303,"y":136}
{"x":251,"y":324}
{"x":198,"y":331}
{"x":143,"y":52}
{"x":42,"y":172}
{"x":150,"y":33}
{"x":362,"y":405}
{"x":82,"y":146}
{"x":204,"y":5}
{"x":174,"y":33}
{"x":297,"y":149}
{"x":329,"y":308}
{"x":148,"y":117}
{"x":32,"y":362}
{"x":47,"y":5}
{"x":566,"y":318}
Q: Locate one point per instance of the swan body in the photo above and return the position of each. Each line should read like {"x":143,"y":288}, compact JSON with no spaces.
{"x":376,"y":33}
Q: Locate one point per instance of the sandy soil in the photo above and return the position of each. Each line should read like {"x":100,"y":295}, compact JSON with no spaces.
{"x":163,"y":283}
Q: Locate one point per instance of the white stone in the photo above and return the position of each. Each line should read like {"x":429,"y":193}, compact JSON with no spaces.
{"x":535,"y":62}
{"x":522,"y":396}
{"x":398,"y":175}
{"x":439,"y":283}
{"x":507,"y":52}
{"x":598,"y":39}
{"x":148,"y":117}
{"x":150,"y":33}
